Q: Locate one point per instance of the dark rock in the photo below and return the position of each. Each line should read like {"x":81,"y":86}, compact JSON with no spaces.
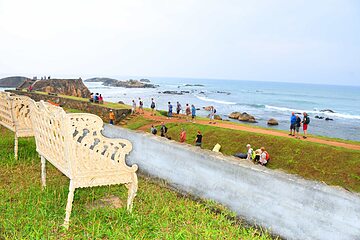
{"x":194,"y":85}
{"x":327,"y":110}
{"x":329,"y":119}
{"x":144,"y":80}
{"x":317,"y":116}
{"x":121,"y":102}
{"x":216,"y":117}
{"x":272,"y":121}
{"x":173,"y":92}
{"x":234,"y":115}
{"x":245,"y":117}
{"x":227,"y":93}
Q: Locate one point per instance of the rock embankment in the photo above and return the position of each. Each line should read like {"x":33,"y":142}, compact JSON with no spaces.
{"x":70,"y":87}
{"x":244,"y":117}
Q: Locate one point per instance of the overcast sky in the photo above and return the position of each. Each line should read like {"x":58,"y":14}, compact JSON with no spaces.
{"x":315,"y":41}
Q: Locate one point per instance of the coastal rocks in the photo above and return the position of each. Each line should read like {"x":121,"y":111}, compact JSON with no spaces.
{"x":131,"y":83}
{"x":319,"y":117}
{"x":327,"y":110}
{"x":175,"y":92}
{"x":222,"y":92}
{"x":234,"y":115}
{"x":329,"y":119}
{"x":272,"y":122}
{"x":69,"y":87}
{"x":245,"y":117}
{"x":13,"y":82}
{"x":194,"y":85}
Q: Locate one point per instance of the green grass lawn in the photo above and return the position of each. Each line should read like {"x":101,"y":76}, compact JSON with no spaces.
{"x":332,"y":165}
{"x":27,"y":212}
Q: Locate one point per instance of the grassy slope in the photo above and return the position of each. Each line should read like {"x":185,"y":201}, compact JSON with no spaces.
{"x":29,"y":213}
{"x":332,"y":165}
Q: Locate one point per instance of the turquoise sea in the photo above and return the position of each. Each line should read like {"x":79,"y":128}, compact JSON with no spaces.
{"x":264,"y":100}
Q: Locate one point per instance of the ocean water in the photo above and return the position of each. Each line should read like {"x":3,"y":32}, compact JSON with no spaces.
{"x":264,"y":100}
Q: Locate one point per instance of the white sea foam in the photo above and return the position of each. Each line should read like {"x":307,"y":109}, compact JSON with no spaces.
{"x":315,"y":111}
{"x":215,"y":100}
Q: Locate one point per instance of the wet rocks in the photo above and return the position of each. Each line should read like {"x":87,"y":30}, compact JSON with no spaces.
{"x":272,"y":122}
{"x":244,"y":117}
{"x":329,"y":119}
{"x":234,"y":115}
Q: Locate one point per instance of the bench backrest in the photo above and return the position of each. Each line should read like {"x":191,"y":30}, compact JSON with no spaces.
{"x":73,"y":143}
{"x":15,"y":114}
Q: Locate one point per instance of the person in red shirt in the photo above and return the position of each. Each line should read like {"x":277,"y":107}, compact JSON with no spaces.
{"x":183,"y":136}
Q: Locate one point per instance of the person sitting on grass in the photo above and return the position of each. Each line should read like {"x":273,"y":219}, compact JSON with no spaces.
{"x":257,"y":155}
{"x":153,"y":130}
{"x":183,"y":135}
{"x":163,"y":130}
{"x":250,"y":153}
{"x":198,"y":140}
{"x":264,"y":157}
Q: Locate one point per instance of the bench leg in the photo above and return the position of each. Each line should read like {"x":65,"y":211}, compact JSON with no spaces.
{"x":69,"y":205}
{"x":133,"y":186}
{"x":16,"y":147}
{"x":43,"y":172}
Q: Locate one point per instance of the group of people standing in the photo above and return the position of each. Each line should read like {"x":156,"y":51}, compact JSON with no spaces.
{"x":96,"y":98}
{"x":295,"y":124}
{"x":189,"y":111}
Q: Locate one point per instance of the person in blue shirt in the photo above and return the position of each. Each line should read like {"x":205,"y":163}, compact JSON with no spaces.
{"x":170,"y":110}
{"x":292,"y":124}
{"x":193,"y":112}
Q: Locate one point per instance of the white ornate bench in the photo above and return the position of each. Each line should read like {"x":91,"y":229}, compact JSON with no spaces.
{"x":15,"y":115}
{"x":73,"y":143}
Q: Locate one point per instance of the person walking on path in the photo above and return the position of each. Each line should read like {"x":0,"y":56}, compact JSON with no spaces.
{"x":170,"y":109}
{"x":152,"y":106}
{"x":198,"y":140}
{"x":141,"y":106}
{"x":297,"y":126}
{"x":193,"y":112}
{"x":187,"y":112}
{"x":163,"y":130}
{"x":111,"y":117}
{"x":183,"y":135}
{"x":133,"y":108}
{"x":305,"y":122}
{"x":178,"y":108}
{"x":292,"y":124}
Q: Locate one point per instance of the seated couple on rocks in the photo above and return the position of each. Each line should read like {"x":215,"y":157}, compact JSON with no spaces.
{"x":260,"y":156}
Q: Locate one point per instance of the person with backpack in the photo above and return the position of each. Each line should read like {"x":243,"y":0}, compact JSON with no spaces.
{"x":305,"y":122}
{"x":264,"y":157}
{"x":163,"y":130}
{"x":250,"y":153}
{"x":297,"y":126}
{"x":152,"y":106}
